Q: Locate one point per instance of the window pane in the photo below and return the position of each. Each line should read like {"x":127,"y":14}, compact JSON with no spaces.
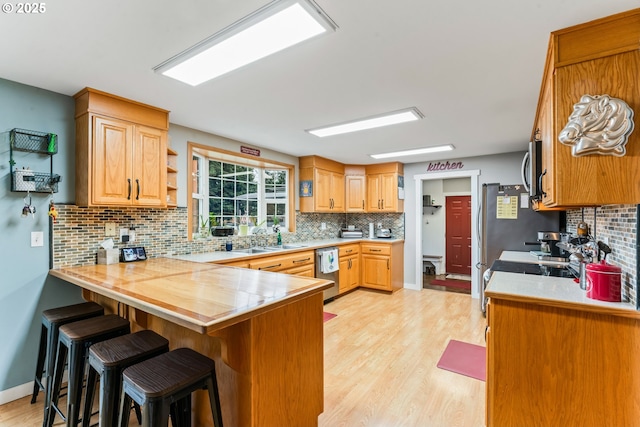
{"x":215,"y":206}
{"x":215,"y":168}
{"x":280,"y":209}
{"x":195,"y":213}
{"x":241,"y":190}
{"x":228,"y":170}
{"x":242,"y":173}
{"x":253,"y":208}
{"x":228,"y":207}
{"x":228,"y":189}
{"x":215,"y":187}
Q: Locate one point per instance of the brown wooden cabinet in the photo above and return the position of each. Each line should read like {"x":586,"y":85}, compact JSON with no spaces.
{"x":355,"y":189}
{"x":327,"y":185}
{"x":299,"y":263}
{"x":382,"y":185}
{"x":121,"y":152}
{"x":601,"y":57}
{"x":555,"y":365}
{"x":349,"y":272}
{"x":382,"y":265}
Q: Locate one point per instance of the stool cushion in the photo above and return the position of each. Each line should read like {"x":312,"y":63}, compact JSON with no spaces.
{"x":168,"y":373}
{"x":92,"y":327}
{"x":126,"y":349}
{"x":71,"y":313}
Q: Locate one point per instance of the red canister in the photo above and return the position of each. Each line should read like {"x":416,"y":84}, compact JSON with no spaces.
{"x":604,"y":282}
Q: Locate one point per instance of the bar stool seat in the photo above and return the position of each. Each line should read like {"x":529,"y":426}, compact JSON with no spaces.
{"x":157,"y":383}
{"x":52,"y":319}
{"x":75,"y":339}
{"x":107,"y":359}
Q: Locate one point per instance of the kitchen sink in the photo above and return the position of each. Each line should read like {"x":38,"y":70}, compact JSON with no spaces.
{"x":254,"y":250}
{"x":289,"y":246}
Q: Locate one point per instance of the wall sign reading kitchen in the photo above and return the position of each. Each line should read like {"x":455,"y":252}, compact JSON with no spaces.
{"x":439,"y":166}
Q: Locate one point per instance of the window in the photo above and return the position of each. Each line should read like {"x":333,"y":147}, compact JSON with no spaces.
{"x":229,"y":191}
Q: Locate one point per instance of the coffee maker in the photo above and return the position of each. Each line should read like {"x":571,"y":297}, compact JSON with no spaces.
{"x":548,"y":243}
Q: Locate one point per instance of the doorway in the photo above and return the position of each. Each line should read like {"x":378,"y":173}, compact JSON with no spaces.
{"x":474,"y":196}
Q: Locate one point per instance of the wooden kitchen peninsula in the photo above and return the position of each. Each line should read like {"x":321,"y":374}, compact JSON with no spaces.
{"x":264,"y":330}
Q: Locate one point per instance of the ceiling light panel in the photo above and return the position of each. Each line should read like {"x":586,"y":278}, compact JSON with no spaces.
{"x":277,"y":26}
{"x":426,"y":150}
{"x":386,"y":119}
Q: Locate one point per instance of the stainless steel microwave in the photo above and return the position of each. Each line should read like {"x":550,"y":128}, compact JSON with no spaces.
{"x":532,"y":169}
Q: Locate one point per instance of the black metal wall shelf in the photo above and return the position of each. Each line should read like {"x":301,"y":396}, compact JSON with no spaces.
{"x":30,"y":141}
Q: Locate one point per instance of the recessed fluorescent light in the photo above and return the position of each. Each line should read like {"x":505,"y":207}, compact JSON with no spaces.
{"x":427,"y":150}
{"x":277,"y":26}
{"x":386,"y":119}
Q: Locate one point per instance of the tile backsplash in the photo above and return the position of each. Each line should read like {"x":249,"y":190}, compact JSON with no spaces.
{"x":617,"y":224}
{"x":79,"y":231}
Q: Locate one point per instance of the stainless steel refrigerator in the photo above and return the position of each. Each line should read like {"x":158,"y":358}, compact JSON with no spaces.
{"x":508,"y":223}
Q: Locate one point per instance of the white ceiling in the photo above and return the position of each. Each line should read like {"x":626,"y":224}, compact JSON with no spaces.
{"x":472,"y":67}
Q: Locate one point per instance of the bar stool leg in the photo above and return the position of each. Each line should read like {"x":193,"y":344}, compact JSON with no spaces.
{"x":42,"y":354}
{"x":125,"y":402}
{"x":156,"y":414}
{"x":92,"y":379}
{"x":76,"y":375}
{"x":214,"y":399}
{"x":54,"y":388}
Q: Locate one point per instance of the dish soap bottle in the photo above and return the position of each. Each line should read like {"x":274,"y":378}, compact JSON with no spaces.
{"x":279,"y":243}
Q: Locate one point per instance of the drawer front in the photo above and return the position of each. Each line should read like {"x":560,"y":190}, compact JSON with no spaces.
{"x":376,"y":249}
{"x":348,"y":250}
{"x":282,"y":262}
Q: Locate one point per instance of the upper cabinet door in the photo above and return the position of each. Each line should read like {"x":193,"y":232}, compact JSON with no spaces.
{"x":355,"y":193}
{"x":111,"y":162}
{"x":149,"y":167}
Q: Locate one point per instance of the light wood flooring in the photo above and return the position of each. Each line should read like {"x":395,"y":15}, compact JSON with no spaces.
{"x":381,"y":353}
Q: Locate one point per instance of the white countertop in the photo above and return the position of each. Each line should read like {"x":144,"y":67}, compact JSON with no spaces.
{"x":219,"y":256}
{"x":528,"y":257}
{"x":553,"y":291}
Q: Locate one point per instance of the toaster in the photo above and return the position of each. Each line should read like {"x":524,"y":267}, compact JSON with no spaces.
{"x":384,"y":233}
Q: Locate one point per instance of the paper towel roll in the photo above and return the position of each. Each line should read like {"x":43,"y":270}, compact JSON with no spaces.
{"x":371,"y":233}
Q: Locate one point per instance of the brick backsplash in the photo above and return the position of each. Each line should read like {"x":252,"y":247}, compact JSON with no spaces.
{"x":79,"y":231}
{"x":617,"y":223}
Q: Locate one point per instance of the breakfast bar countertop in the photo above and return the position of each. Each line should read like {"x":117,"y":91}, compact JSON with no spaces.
{"x":200,"y":297}
{"x":552,"y":291}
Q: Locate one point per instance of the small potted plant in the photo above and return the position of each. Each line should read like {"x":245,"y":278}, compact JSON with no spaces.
{"x":204,"y":227}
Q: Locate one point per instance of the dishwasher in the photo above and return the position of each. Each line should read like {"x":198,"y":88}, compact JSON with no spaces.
{"x":327,"y":266}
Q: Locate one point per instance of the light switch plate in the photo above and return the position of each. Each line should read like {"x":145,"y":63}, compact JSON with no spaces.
{"x":37,"y":239}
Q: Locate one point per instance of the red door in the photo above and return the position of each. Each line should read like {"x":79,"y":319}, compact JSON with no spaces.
{"x":458,"y":234}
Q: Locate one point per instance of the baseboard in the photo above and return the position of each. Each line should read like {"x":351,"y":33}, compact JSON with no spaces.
{"x":17,"y":392}
{"x":24,"y":390}
{"x":412,"y":286}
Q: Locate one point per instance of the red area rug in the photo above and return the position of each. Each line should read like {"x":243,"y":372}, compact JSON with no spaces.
{"x":327,"y":316}
{"x":465,"y":359}
{"x":458,"y":284}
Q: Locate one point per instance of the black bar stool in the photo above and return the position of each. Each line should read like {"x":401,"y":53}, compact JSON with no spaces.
{"x":52,"y":319}
{"x":75,"y":339}
{"x":107,"y":359}
{"x":168,"y":380}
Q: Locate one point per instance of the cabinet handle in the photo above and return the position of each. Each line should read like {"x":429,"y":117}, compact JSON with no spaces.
{"x":382,"y":204}
{"x":378,"y":203}
{"x":362,"y":204}
{"x":350,"y":263}
{"x":486,"y":329}
{"x":137,"y":189}
{"x":544,"y":172}
{"x":375,"y":250}
{"x":301,"y":260}
{"x":387,"y":264}
{"x":271,"y":266}
{"x":349,"y":251}
{"x":129,"y":194}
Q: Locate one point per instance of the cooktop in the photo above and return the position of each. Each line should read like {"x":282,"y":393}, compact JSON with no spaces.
{"x":527,"y":268}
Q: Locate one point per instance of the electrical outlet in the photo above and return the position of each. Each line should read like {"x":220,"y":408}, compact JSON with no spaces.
{"x":605,"y":240}
{"x":323,"y":226}
{"x":110,"y":229}
{"x":37,"y":239}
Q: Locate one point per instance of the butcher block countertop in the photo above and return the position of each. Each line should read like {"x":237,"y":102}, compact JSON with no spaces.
{"x":200,"y":297}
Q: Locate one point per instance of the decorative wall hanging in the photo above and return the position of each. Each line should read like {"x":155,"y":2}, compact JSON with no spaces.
{"x":599,"y":124}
